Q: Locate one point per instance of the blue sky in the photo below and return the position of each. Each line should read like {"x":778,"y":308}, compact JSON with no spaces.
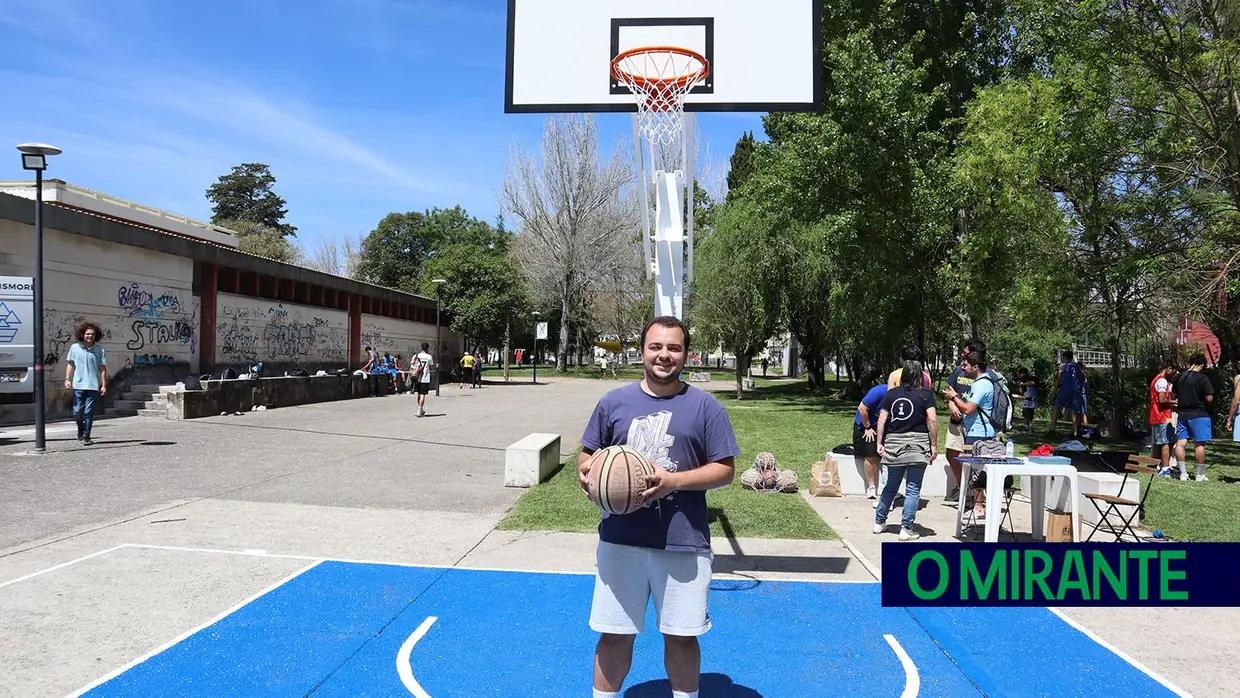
{"x":361,"y":107}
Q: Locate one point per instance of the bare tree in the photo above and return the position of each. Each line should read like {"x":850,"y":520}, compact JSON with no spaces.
{"x":575,"y":214}
{"x":338,"y":258}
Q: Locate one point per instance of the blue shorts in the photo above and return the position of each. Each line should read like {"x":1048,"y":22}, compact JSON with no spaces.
{"x":1069,"y":400}
{"x":1199,"y":429}
{"x":1162,"y":434}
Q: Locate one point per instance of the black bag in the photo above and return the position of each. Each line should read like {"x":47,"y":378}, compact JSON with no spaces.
{"x":297,"y":373}
{"x":193,"y":383}
{"x":229,"y":374}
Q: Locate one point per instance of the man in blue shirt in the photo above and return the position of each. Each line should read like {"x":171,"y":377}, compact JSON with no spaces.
{"x":1070,"y":393}
{"x":86,"y":374}
{"x":960,"y":382}
{"x":663,"y":550}
{"x":975,"y":409}
{"x":865,"y":436}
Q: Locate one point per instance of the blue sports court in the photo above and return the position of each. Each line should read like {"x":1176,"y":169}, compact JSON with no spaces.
{"x":363,"y":629}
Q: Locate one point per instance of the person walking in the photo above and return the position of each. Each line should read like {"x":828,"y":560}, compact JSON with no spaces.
{"x":865,"y":436}
{"x":1193,"y":394}
{"x":663,"y":549}
{"x":423,"y":364}
{"x":1069,"y":393}
{"x":467,"y":370}
{"x":908,"y":438}
{"x":86,"y":374}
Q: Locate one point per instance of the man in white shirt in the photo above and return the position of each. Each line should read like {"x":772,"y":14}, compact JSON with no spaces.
{"x":422,"y":366}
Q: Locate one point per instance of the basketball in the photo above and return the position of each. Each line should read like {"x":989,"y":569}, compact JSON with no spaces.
{"x":618,"y":475}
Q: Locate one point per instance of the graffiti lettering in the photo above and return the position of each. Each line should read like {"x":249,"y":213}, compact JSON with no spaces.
{"x":152,"y":332}
{"x":288,"y":340}
{"x":239,"y":343}
{"x":319,"y":322}
{"x":278,"y":311}
{"x":139,"y":303}
{"x":152,"y":360}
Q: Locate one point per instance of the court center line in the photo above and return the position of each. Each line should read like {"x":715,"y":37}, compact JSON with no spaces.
{"x":1121,"y":654}
{"x":53,"y":568}
{"x":187,"y":634}
{"x":403,"y":667}
{"x":262,"y":553}
{"x":912,"y":680}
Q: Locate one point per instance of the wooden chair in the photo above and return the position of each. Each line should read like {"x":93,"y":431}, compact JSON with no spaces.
{"x":1135,"y":464}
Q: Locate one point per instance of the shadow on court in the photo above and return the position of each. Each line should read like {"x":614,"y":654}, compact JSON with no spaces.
{"x":708,"y":685}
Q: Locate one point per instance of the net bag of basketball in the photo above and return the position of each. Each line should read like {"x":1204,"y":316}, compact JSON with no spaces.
{"x":660,"y":78}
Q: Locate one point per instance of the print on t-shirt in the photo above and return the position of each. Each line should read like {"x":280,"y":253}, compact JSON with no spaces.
{"x":649,"y":436}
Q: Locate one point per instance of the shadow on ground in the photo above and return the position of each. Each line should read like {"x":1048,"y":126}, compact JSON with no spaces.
{"x":716,"y":685}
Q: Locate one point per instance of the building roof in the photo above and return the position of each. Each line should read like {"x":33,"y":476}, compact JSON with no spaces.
{"x":60,"y":193}
{"x":71,"y":219}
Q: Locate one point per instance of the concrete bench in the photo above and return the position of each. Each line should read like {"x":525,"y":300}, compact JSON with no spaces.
{"x":531,"y":460}
{"x":699,"y":377}
{"x":852,"y":476}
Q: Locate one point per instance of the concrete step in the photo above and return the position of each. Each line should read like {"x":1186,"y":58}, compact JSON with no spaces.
{"x":120,"y":412}
{"x":143,"y":396}
{"x":141,"y":404}
{"x":152,"y":389}
{"x":162,"y":414}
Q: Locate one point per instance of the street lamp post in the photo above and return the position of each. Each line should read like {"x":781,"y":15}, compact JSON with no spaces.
{"x":535,"y":347}
{"x":34,"y":157}
{"x":438,"y":347}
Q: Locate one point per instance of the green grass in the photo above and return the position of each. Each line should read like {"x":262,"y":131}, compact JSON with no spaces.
{"x":784,"y":415}
{"x":798,"y":426}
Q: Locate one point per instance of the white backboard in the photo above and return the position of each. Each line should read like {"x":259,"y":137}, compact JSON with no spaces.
{"x":764,"y":56}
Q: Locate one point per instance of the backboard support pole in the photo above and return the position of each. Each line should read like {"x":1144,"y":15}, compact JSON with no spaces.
{"x":639,"y":158}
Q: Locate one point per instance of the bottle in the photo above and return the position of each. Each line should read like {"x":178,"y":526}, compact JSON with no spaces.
{"x":1011,"y":449}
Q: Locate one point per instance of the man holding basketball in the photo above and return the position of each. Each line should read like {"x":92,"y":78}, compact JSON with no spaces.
{"x":662,"y":550}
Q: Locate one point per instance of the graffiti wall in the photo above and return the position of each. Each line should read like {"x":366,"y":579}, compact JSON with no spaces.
{"x":141,"y":299}
{"x":404,"y":337}
{"x":283,"y":336}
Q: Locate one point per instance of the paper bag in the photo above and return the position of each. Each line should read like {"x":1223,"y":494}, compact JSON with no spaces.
{"x":824,"y":479}
{"x":1059,"y":526}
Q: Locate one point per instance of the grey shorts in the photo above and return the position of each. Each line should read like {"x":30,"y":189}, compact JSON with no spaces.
{"x":629,"y":576}
{"x":1162,"y":434}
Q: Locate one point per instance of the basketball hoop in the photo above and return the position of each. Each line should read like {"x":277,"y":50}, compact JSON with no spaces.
{"x":660,"y":77}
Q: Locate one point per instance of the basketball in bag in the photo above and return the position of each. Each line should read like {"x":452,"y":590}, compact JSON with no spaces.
{"x":618,"y":475}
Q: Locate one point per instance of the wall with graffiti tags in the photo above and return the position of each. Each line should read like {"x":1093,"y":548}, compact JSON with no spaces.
{"x":283,"y":336}
{"x":141,"y":299}
{"x":404,"y":337}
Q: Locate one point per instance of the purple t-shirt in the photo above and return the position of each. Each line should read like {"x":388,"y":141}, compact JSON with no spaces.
{"x":680,"y":432}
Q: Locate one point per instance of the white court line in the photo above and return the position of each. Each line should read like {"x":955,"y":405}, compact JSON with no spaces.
{"x":183,"y":636}
{"x":1121,"y":654}
{"x":403,"y":668}
{"x":63,"y":564}
{"x":912,"y":680}
{"x":262,"y":553}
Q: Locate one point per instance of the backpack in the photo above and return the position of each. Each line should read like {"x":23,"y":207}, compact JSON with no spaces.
{"x":418,"y":368}
{"x":1000,"y":416}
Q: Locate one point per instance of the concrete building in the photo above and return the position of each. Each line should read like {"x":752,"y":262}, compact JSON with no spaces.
{"x":175,"y":298}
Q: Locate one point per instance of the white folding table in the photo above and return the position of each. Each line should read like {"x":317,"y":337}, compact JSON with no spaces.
{"x":997,"y":470}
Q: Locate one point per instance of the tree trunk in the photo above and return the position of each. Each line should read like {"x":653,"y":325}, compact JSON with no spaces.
{"x":1120,"y":410}
{"x":561,"y":359}
{"x":742,"y":368}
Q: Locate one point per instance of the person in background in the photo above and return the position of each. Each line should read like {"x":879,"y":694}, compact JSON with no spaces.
{"x":467,"y":370}
{"x":865,"y":436}
{"x":1162,"y":417}
{"x":86,"y":374}
{"x":371,"y":370}
{"x":975,"y":409}
{"x":1233,"y":420}
{"x":909,"y":352}
{"x":1193,"y":394}
{"x":1069,"y":393}
{"x":1028,"y":386}
{"x":959,"y":382}
{"x":477,"y":377}
{"x":422,"y":365}
{"x":908,"y":440}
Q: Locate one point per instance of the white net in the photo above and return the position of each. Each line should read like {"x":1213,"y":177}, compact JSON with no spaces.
{"x":660,"y":78}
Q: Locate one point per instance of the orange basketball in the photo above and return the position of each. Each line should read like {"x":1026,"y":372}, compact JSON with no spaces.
{"x":618,"y":474}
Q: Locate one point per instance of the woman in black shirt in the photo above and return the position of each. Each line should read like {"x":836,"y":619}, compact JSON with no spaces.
{"x":908,"y":438}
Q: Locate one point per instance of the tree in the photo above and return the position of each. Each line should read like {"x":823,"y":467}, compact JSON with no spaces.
{"x":258,"y":239}
{"x":484,"y":291}
{"x":734,"y":307}
{"x":575,"y":215}
{"x":339,"y":258}
{"x":396,"y":252}
{"x":741,"y":166}
{"x":247,"y":193}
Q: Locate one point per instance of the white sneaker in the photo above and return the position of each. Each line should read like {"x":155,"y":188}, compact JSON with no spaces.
{"x":1201,"y":476}
{"x":880,"y":528}
{"x":906,"y":534}
{"x":1184,"y":475}
{"x":871,"y":493}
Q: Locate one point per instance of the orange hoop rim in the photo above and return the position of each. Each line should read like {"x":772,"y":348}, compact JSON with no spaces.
{"x":644,"y":83}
